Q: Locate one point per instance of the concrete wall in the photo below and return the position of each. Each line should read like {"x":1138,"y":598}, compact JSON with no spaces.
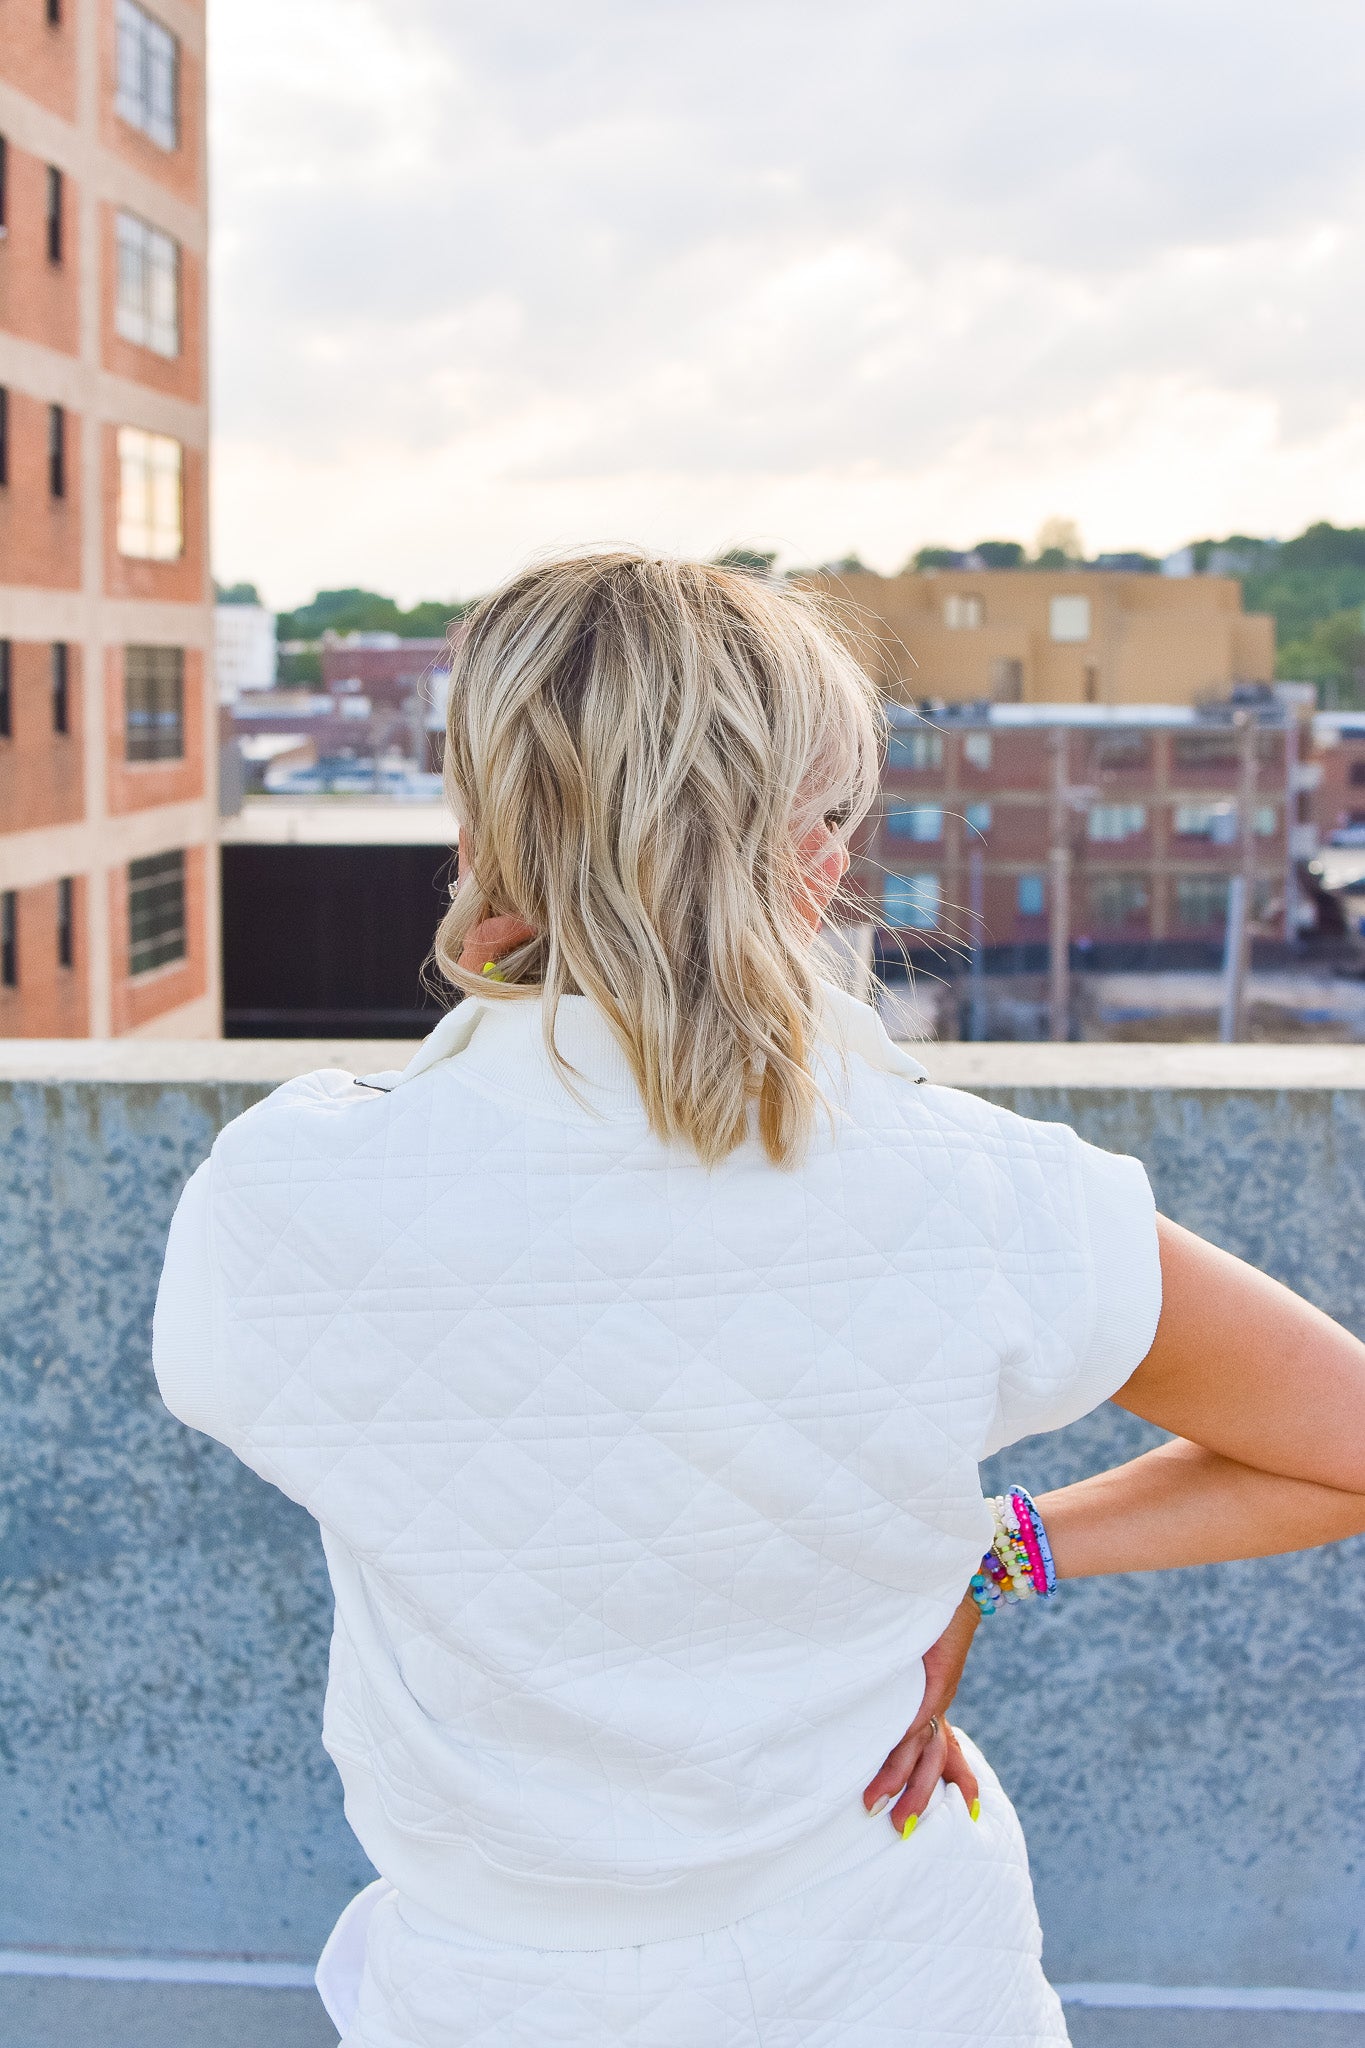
{"x":1185,"y":1751}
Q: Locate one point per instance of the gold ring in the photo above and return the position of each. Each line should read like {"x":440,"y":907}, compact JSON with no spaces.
{"x":933,"y":1726}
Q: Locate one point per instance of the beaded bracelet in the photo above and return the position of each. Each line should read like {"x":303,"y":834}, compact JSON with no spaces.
{"x":1018,"y":1565}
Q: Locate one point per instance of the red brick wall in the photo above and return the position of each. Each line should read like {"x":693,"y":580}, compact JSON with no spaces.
{"x":51,"y":1001}
{"x":141,"y":785}
{"x":165,"y":988}
{"x":38,"y":59}
{"x":39,"y":301}
{"x":42,"y":773}
{"x":40,"y":536}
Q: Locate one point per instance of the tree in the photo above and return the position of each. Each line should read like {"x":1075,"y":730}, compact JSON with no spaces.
{"x":236,"y":593}
{"x":1000,"y":554}
{"x":754,"y":561}
{"x":365,"y":611}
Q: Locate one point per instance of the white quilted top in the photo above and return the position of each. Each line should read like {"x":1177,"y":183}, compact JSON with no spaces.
{"x":643,"y":1486}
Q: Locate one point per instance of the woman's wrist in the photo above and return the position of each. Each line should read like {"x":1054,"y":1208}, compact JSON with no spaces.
{"x":1019,"y":1563}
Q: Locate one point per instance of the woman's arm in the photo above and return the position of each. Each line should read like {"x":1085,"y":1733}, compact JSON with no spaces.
{"x":1268,"y":1394}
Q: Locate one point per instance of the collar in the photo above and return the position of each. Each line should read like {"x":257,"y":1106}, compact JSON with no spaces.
{"x":501,"y":1042}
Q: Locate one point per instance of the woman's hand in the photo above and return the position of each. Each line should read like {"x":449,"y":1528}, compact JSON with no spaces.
{"x":929,"y":1749}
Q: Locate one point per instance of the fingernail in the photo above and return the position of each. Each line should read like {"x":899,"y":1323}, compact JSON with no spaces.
{"x":909,"y":1827}
{"x":880,"y":1805}
{"x":975,"y":1809}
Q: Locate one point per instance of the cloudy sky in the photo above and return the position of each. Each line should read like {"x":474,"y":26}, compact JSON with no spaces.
{"x":811,"y":276}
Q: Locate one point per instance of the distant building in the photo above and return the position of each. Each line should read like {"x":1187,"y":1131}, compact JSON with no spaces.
{"x":108,"y":796}
{"x":1147,"y":800}
{"x":1034,"y":636}
{"x":244,"y":651}
{"x":1341,"y":752}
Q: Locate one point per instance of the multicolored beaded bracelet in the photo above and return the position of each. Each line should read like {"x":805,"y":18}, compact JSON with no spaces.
{"x":1018,"y":1565}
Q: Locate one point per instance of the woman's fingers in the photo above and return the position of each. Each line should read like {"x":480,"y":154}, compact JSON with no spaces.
{"x":925,"y":1774}
{"x":957,"y":1771}
{"x":895,"y":1772}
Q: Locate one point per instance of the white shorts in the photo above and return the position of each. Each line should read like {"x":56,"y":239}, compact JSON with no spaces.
{"x":929,"y":1943}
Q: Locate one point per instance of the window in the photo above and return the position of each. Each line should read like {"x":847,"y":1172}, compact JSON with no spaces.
{"x":1118,"y":899}
{"x":1215,"y":822}
{"x":1030,"y":895}
{"x":978,"y":819}
{"x":150,"y":526}
{"x":61,"y":687}
{"x":914,"y":749}
{"x":910,"y":902}
{"x":1109,"y":823}
{"x":154,"y":703}
{"x":54,"y":13}
{"x":148,"y":305}
{"x":1200,"y":900}
{"x":148,"y":93}
{"x":1265,"y":821}
{"x":963,"y":612}
{"x":1124,"y":753}
{"x":1204,"y":750}
{"x":156,"y":912}
{"x":923,"y":822}
{"x":4,"y":185}
{"x":4,"y":436}
{"x":978,"y":749}
{"x":1007,"y":680}
{"x":1069,"y":618}
{"x":66,"y":922}
{"x":6,"y":690}
{"x":54,"y":214}
{"x":56,"y":451}
{"x":1357,"y":775}
{"x":9,"y":939}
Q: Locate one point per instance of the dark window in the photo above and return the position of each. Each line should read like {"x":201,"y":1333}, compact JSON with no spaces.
{"x":54,"y":13}
{"x":1358,"y":774}
{"x":4,"y":436}
{"x":154,"y":703}
{"x":4,"y":184}
{"x":56,"y":450}
{"x":156,"y":911}
{"x":66,"y":922}
{"x":9,"y":940}
{"x":6,"y":690}
{"x":54,"y":214}
{"x":61,"y":687}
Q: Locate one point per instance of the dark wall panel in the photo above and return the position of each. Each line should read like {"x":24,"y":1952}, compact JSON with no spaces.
{"x":330,"y":940}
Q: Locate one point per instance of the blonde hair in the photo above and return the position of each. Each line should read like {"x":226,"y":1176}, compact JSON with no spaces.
{"x":638,"y":748}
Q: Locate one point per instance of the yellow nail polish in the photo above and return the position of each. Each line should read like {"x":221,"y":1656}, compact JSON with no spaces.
{"x":909,"y":1827}
{"x":490,"y":968}
{"x":975,"y":1809}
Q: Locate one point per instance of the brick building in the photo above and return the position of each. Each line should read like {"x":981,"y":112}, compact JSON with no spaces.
{"x":1032,"y":636}
{"x":1153,"y":806}
{"x":108,"y":877}
{"x":1341,"y":751}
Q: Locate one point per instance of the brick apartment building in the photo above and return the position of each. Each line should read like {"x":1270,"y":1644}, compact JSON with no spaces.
{"x":108,"y":879}
{"x":1154,"y":806}
{"x":1032,"y":636}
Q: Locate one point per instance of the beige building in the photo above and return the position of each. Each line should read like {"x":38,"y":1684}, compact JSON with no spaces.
{"x":1032,"y":636}
{"x":108,"y":810}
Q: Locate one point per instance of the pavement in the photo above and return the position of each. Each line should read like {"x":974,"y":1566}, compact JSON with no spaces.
{"x":53,"y":2012}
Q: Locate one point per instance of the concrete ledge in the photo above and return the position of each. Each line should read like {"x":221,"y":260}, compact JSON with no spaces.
{"x":268,"y":1061}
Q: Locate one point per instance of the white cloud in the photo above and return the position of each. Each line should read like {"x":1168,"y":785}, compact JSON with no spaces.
{"x":694,"y":271}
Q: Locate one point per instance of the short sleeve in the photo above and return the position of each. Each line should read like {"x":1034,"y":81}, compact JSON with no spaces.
{"x":1081,"y":1350}
{"x":182,"y":1326}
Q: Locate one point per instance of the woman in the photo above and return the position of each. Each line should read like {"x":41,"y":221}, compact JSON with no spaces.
{"x":636,"y":1349}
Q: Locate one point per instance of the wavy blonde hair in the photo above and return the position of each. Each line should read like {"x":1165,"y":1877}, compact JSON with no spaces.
{"x":638,"y":748}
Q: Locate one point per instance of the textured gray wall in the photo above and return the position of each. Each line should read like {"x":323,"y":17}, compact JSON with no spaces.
{"x":1188,"y":1760}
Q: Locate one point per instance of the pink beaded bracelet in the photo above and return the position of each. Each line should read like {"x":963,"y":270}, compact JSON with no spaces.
{"x":1018,"y":1565}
